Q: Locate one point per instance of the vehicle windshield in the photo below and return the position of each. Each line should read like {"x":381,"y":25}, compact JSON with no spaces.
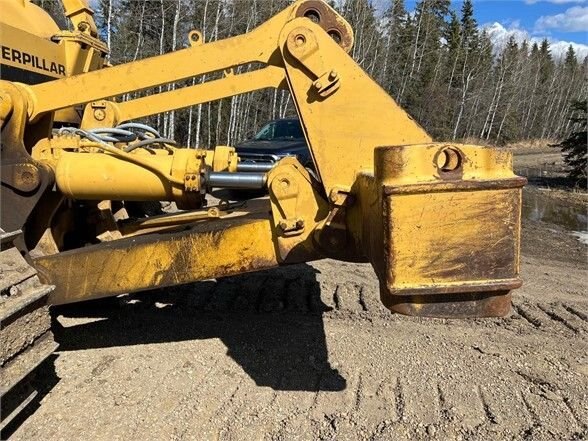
{"x":277,"y":130}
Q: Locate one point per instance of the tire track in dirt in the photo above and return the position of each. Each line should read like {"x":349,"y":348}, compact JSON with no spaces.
{"x":553,"y":317}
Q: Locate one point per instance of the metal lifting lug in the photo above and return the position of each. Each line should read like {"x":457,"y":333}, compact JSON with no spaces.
{"x":285,"y":191}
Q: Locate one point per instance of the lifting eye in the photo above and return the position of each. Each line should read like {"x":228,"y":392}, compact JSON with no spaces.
{"x":448,"y":160}
{"x":335,"y":35}
{"x":195,"y":37}
{"x":313,"y":15}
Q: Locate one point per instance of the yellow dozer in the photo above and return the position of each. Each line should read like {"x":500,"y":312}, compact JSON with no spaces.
{"x":439,"y":222}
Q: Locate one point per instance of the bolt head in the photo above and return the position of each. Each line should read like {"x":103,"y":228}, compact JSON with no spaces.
{"x":99,"y":114}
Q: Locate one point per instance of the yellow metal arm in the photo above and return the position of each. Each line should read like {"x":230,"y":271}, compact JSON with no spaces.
{"x":230,"y":85}
{"x":260,"y":45}
{"x":351,"y":121}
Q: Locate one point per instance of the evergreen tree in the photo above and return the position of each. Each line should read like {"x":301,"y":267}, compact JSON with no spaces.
{"x":469,"y":27}
{"x":575,"y":147}
{"x":425,"y":60}
{"x":362,"y":18}
{"x":571,"y":60}
{"x":395,"y":51}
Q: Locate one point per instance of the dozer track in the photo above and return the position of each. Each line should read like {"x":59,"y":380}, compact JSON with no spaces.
{"x":26,"y":340}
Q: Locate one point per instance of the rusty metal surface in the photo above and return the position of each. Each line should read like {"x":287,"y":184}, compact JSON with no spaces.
{"x":320,"y":13}
{"x":456,"y":306}
{"x":452,"y":241}
{"x":26,"y":339}
{"x":458,"y":185}
{"x":13,"y":269}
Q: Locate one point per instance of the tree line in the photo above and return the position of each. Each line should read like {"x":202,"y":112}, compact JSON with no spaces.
{"x":435,"y":62}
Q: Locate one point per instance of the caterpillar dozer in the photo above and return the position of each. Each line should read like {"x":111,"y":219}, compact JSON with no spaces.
{"x":439,"y":222}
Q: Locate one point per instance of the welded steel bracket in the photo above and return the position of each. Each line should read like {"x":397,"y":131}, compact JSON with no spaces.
{"x":297,"y":207}
{"x":446,"y":242}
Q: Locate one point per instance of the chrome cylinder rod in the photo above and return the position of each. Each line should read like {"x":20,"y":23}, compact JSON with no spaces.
{"x":236,"y":180}
{"x":255,"y":166}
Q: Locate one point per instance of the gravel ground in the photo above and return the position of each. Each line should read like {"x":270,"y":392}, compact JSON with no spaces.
{"x":308,"y":352}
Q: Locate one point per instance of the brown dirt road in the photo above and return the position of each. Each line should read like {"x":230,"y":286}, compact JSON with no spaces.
{"x":309,"y":353}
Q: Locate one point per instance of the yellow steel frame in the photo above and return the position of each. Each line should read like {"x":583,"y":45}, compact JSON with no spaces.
{"x":386,"y":194}
{"x":138,"y":263}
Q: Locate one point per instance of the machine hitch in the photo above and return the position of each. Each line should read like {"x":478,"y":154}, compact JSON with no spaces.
{"x":440,"y":223}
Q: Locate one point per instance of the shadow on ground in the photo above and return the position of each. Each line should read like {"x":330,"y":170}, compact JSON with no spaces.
{"x":270,"y":321}
{"x":36,"y":385}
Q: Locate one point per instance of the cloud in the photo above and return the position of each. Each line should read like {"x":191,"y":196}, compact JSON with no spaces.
{"x":556,"y":2}
{"x":574,"y":19}
{"x":500,"y":35}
